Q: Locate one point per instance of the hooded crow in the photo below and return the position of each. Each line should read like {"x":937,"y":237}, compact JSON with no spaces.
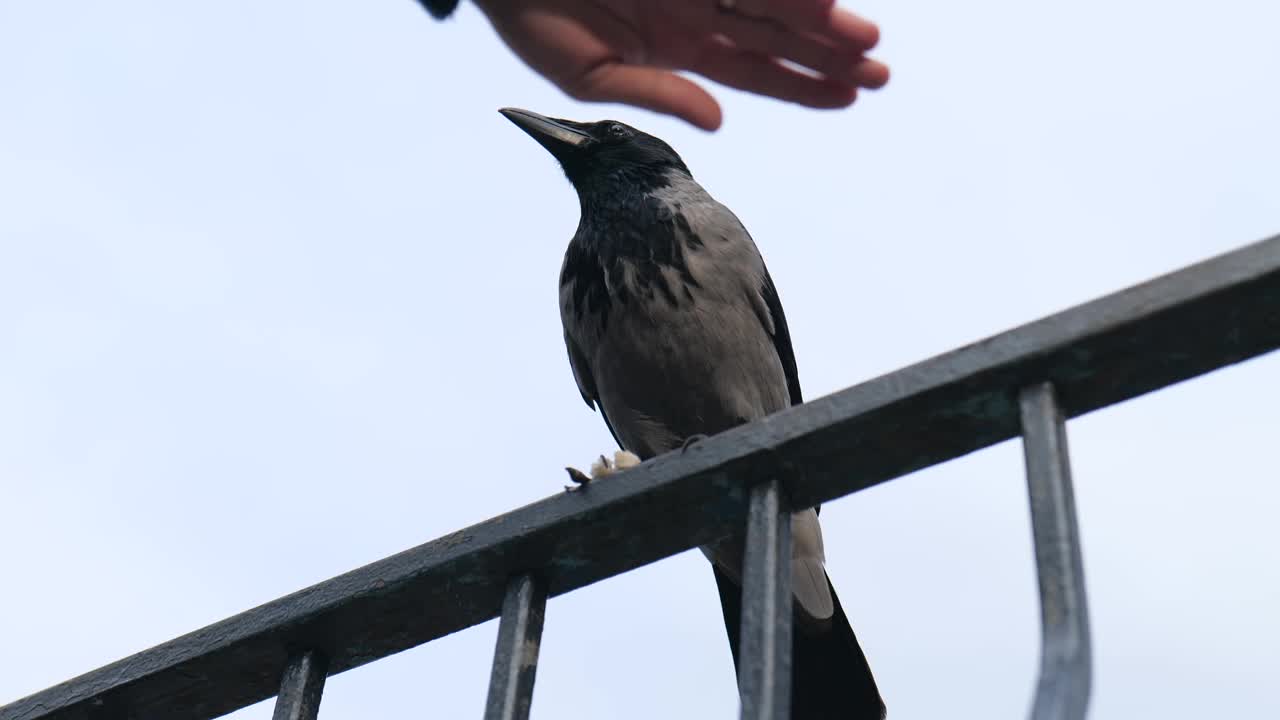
{"x":675,"y":331}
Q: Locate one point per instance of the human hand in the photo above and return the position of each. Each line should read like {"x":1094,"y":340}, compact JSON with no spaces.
{"x":630,"y":51}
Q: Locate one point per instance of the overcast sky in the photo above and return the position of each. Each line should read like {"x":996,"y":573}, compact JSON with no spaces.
{"x":278,"y":299}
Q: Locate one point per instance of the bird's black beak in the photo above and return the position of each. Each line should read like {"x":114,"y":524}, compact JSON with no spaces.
{"x":556,"y":136}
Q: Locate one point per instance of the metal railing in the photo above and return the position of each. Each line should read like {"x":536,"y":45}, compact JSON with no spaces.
{"x":1026,"y":382}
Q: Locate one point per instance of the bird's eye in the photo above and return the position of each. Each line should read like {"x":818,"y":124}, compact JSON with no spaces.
{"x":618,"y":130}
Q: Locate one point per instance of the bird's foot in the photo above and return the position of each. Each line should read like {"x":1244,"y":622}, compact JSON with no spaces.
{"x":603,"y":466}
{"x":578,"y":477}
{"x":622,"y":460}
{"x":691,"y":441}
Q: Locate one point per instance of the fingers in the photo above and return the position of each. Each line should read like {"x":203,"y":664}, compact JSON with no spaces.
{"x":872,"y":74}
{"x":846,"y":30}
{"x":810,"y":50}
{"x":651,"y":88}
{"x":751,"y":71}
{"x":751,"y":45}
{"x":800,"y":14}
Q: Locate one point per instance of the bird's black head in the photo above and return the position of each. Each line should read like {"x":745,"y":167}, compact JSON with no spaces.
{"x":594,"y":153}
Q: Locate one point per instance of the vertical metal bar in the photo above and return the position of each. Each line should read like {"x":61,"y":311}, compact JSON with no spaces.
{"x":1062,"y":692}
{"x":764,"y":675}
{"x":515,"y":660}
{"x":301,"y":687}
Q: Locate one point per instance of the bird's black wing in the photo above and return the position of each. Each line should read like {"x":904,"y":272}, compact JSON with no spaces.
{"x":782,"y":343}
{"x":587,"y":384}
{"x":782,"y":338}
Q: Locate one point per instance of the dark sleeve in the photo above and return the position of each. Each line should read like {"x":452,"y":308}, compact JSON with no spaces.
{"x":439,"y":9}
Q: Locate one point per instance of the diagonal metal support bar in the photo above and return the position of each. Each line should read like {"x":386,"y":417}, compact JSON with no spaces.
{"x":1065,"y":667}
{"x":764,"y":678}
{"x":301,"y":687}
{"x":515,"y":660}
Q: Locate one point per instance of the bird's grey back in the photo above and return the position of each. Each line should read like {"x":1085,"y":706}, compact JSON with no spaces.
{"x":679,"y":347}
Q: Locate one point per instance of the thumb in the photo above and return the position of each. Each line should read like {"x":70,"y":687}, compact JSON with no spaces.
{"x":650,"y":88}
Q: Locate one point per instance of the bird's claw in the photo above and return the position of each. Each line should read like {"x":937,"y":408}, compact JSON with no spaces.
{"x":691,"y":440}
{"x":578,"y":477}
{"x":603,"y":466}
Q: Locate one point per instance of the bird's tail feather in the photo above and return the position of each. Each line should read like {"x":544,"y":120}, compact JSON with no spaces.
{"x":830,"y":676}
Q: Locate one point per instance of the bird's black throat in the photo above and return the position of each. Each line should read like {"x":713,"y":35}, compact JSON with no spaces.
{"x":633,"y":240}
{"x":627,"y":225}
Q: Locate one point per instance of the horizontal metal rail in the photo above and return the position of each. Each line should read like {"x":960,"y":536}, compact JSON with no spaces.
{"x":1212,"y":314}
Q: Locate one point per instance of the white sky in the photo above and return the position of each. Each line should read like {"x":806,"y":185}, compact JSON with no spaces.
{"x":278,"y":298}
